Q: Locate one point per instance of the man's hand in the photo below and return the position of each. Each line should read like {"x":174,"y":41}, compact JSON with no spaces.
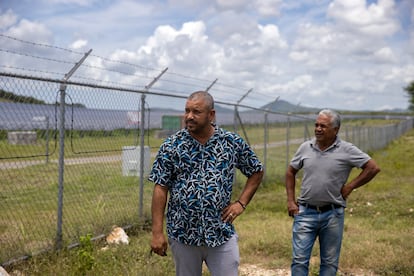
{"x":293,"y":208}
{"x":159,"y":244}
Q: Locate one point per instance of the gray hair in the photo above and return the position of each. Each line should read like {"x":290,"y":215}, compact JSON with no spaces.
{"x":207,"y":98}
{"x":333,"y":115}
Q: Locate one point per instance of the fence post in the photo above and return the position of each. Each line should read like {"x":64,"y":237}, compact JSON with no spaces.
{"x":287,"y":139}
{"x":47,"y":139}
{"x":266,"y":139}
{"x":142,"y":146}
{"x":211,"y":85}
{"x":62,"y":91}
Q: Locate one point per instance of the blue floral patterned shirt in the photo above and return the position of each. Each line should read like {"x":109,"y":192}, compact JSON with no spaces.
{"x":200,"y":181}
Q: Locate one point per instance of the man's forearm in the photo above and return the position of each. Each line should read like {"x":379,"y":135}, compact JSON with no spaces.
{"x":252,"y":184}
{"x":290,"y":184}
{"x":159,"y":201}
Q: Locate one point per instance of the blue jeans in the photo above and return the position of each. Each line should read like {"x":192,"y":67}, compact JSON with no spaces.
{"x":308,"y":225}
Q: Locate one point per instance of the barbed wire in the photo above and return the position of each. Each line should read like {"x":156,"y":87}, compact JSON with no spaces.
{"x":39,"y":44}
{"x":171,"y":79}
{"x":222,"y":89}
{"x":37,"y":57}
{"x":31,"y":70}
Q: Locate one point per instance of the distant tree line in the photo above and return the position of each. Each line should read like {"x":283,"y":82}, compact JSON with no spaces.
{"x":410,"y":91}
{"x":11,"y":97}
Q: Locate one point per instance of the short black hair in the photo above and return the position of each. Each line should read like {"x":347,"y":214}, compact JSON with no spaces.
{"x":206,"y":97}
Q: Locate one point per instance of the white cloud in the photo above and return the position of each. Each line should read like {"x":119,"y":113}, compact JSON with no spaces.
{"x":232,"y":4}
{"x":385,"y":55}
{"x":300,"y":82}
{"x":299,"y":55}
{"x":411,"y":33}
{"x":270,"y":37}
{"x":82,"y":3}
{"x":182,"y":49}
{"x":7,"y":19}
{"x":412,"y":15}
{"x":318,"y":46}
{"x":78,"y":44}
{"x":375,"y":19}
{"x":31,"y":31}
{"x":398,"y":74}
{"x":357,"y":101}
{"x":341,"y":54}
{"x":268,"y":7}
{"x":295,"y":86}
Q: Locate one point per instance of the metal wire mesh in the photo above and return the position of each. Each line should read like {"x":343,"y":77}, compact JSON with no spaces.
{"x":100,"y":135}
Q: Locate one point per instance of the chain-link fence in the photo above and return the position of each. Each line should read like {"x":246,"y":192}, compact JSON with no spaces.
{"x":69,"y":170}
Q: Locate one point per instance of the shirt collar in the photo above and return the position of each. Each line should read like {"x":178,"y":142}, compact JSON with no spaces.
{"x":336,"y":143}
{"x":215,"y":133}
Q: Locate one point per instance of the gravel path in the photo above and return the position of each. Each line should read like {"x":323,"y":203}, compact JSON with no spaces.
{"x":253,"y":270}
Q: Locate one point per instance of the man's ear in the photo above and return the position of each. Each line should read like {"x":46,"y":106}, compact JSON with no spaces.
{"x":212,"y":115}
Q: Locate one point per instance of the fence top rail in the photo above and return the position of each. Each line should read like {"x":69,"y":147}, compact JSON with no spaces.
{"x":148,"y":92}
{"x":140,"y":91}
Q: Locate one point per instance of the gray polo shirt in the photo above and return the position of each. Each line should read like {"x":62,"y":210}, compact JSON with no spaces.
{"x":325,"y":172}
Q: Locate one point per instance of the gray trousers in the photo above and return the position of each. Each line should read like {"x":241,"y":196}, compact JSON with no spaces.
{"x":221,"y":261}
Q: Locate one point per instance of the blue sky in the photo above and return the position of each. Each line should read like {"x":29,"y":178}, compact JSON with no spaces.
{"x":343,"y":54}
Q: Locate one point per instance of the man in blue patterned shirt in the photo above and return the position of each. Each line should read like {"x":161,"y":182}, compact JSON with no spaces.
{"x":196,"y":166}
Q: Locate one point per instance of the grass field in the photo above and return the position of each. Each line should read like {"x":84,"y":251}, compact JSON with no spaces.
{"x":378,"y":238}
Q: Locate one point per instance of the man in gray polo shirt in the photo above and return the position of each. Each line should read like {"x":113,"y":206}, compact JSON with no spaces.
{"x":327,"y":162}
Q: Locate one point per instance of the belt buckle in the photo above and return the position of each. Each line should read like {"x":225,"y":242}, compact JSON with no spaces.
{"x":318,"y":209}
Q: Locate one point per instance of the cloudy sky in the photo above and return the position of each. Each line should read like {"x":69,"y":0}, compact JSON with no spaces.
{"x":343,"y":54}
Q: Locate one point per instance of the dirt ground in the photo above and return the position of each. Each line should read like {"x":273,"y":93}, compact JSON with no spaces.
{"x":253,"y":270}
